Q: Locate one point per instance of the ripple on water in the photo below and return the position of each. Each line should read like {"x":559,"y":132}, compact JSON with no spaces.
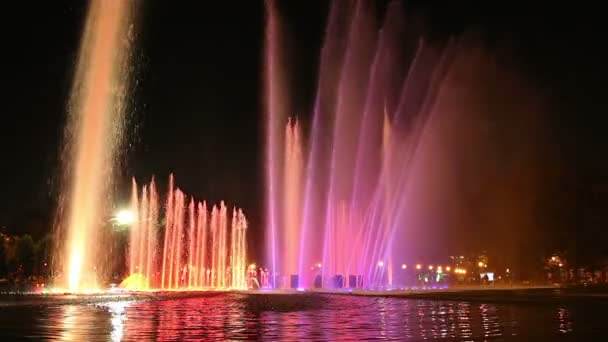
{"x":288,"y":317}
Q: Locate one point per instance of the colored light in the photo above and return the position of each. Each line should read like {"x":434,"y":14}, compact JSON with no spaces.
{"x":404,"y":267}
{"x":418,"y":266}
{"x":380,"y":263}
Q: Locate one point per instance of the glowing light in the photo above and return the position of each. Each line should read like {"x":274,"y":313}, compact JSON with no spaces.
{"x":508,"y":270}
{"x":319,"y":265}
{"x":404,"y":267}
{"x":125,"y":217}
{"x":448,"y":268}
{"x":380,"y":263}
{"x":252,"y":266}
{"x":480,"y":264}
{"x":560,"y":264}
{"x":418,"y":266}
{"x":553,"y":258}
{"x":430,"y":267}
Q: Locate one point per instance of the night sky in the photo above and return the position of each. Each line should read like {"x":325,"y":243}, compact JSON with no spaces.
{"x":197,"y":109}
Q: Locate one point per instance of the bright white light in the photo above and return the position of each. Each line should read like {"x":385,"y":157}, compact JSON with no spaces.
{"x":125,"y":217}
{"x":380,"y":263}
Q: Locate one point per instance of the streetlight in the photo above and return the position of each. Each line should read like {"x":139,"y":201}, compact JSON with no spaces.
{"x":125,"y":217}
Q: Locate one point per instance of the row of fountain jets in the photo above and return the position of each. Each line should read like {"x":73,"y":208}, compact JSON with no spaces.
{"x":198,"y":248}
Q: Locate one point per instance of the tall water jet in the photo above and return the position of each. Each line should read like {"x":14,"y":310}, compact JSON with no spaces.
{"x":93,"y":136}
{"x":275,"y":112}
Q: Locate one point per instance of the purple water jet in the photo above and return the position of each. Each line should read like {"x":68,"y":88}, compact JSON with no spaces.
{"x":337,"y":209}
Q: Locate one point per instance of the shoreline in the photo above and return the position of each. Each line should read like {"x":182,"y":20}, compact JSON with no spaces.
{"x":541,"y":294}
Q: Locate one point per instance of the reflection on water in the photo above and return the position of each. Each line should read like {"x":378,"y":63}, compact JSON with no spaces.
{"x":290,"y":318}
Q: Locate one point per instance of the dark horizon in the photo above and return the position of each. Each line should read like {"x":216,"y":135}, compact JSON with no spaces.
{"x":197,"y":110}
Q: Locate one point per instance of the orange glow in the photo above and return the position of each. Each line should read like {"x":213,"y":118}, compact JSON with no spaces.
{"x":418,"y":266}
{"x":448,"y":268}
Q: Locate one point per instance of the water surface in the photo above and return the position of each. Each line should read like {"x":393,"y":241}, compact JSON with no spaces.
{"x":295,"y":317}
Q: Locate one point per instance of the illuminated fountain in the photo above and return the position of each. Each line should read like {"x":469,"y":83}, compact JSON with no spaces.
{"x":93,"y":137}
{"x":201,"y":248}
{"x":339,"y":201}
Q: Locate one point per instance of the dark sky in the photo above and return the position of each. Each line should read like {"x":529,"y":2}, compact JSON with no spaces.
{"x":197,"y":109}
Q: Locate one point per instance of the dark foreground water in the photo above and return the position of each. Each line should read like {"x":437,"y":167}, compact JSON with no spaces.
{"x":298,"y":317}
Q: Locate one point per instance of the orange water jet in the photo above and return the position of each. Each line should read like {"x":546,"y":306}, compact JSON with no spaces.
{"x":93,"y":136}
